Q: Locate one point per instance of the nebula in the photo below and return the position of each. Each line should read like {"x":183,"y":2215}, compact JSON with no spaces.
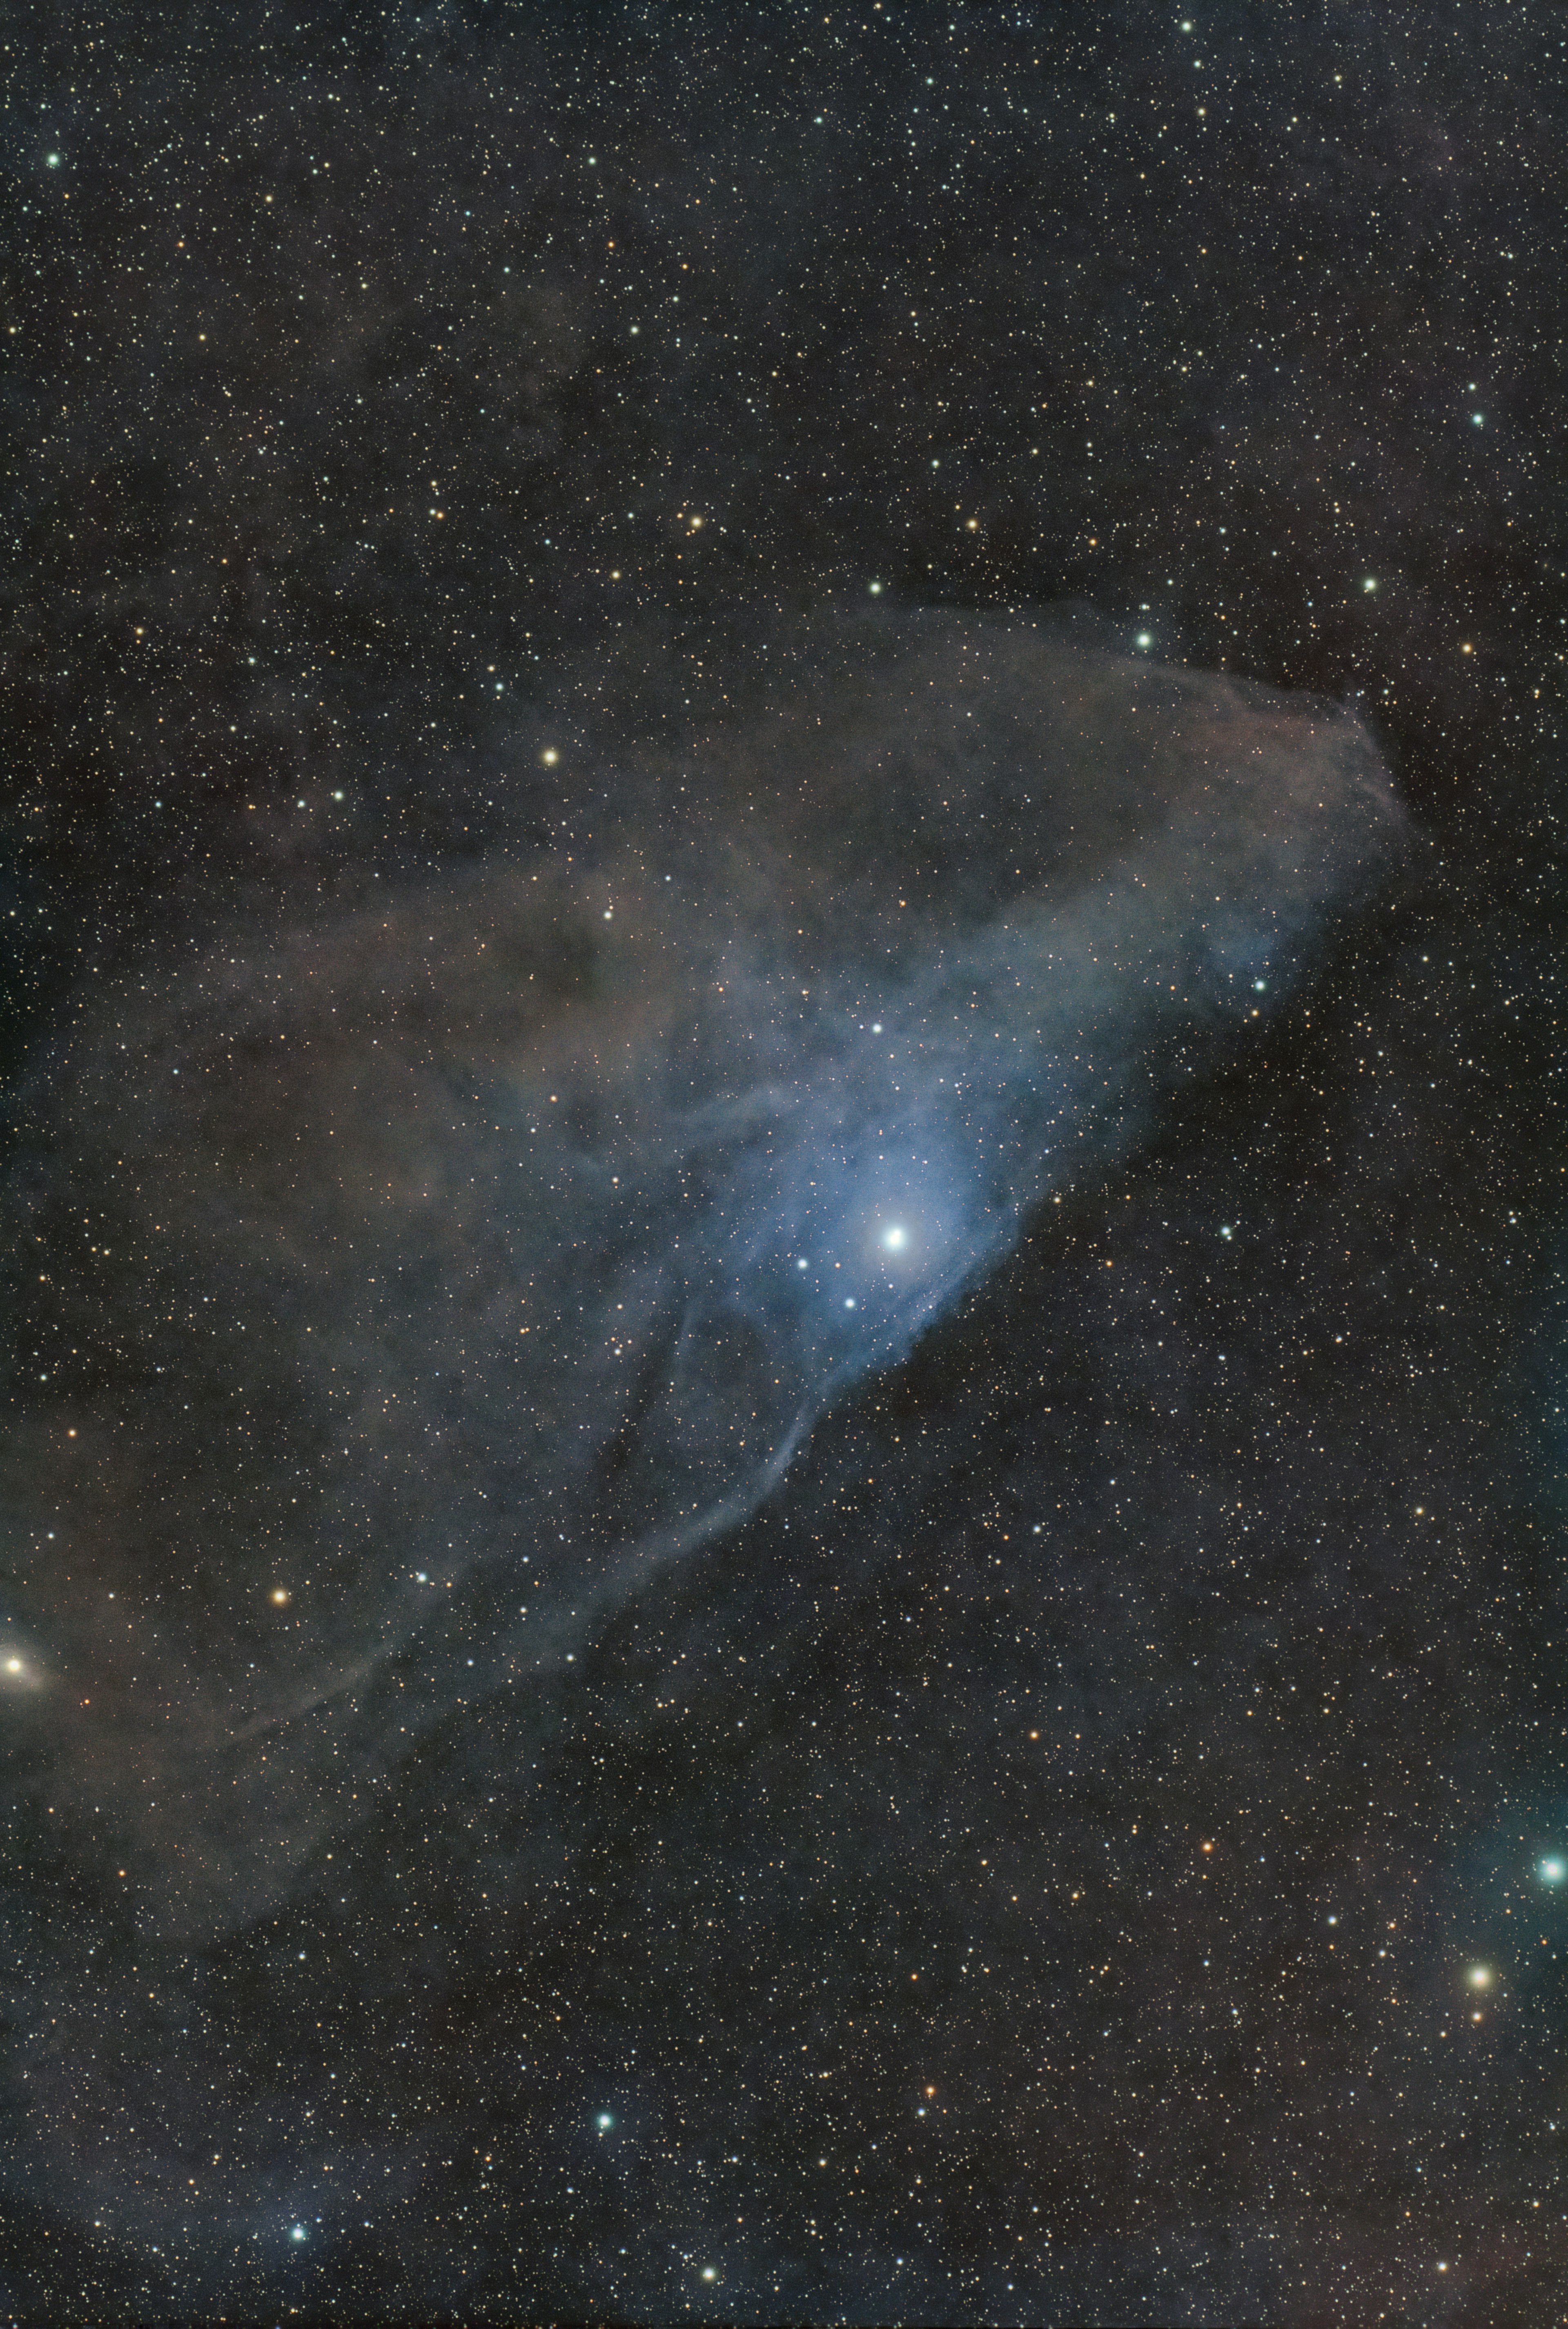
{"x":406,"y":1282}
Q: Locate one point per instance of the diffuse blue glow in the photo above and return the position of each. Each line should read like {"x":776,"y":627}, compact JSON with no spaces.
{"x":559,"y":1232}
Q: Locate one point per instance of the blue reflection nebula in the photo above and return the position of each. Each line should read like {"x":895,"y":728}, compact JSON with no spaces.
{"x":546,"y":1209}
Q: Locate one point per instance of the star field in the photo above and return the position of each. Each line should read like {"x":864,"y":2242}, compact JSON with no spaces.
{"x":783,"y":1470}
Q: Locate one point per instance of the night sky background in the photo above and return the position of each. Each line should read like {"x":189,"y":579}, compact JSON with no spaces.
{"x":1086,"y":1839}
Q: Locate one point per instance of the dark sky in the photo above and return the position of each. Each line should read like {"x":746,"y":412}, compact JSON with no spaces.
{"x":1061,"y":1814}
